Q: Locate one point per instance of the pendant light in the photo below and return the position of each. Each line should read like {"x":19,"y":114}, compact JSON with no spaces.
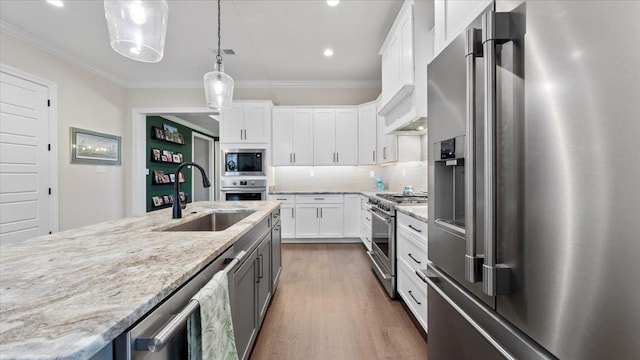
{"x":137,"y":28}
{"x":218,"y":86}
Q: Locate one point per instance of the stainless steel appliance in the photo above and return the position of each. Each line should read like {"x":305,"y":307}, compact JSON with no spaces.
{"x":383,"y":235}
{"x":244,"y":162}
{"x":539,"y":259}
{"x":234,"y":189}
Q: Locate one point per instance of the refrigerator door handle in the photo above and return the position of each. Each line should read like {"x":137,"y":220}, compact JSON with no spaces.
{"x":472,"y":261}
{"x":495,"y":30}
{"x":432,"y":279}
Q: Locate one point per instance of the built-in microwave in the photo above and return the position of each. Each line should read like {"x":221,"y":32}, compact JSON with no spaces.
{"x":244,"y":162}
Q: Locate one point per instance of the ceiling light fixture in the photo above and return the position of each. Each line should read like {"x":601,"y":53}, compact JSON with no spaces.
{"x":328,"y":52}
{"x":333,"y":3}
{"x":57,"y":3}
{"x":137,"y":28}
{"x":218,"y":86}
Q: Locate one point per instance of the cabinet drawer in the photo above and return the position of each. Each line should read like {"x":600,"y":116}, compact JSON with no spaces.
{"x":411,"y":251}
{"x":286,"y":199}
{"x":413,"y":291}
{"x":319,"y":199}
{"x":413,"y":226}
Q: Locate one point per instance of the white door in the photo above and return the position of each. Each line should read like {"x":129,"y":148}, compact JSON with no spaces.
{"x":324,"y":132}
{"x":303,"y":137}
{"x":347,"y":137}
{"x":331,"y":220}
{"x":307,"y":218}
{"x":24,"y":160}
{"x":282,"y":137}
{"x":202,"y":155}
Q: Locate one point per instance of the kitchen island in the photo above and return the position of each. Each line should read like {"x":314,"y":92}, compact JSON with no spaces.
{"x":68,"y":295}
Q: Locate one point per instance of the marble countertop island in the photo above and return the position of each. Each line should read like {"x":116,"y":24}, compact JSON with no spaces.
{"x":67,"y":295}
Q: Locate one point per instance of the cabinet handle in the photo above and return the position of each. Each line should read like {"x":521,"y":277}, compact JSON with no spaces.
{"x":384,"y":153}
{"x":281,"y":199}
{"x":338,"y":157}
{"x":256,"y":271}
{"x":318,"y":198}
{"x":294,"y":157}
{"x":414,"y":229}
{"x":374,"y":155}
{"x":317,"y":212}
{"x":320,"y":212}
{"x":414,"y":259}
{"x":293,"y":210}
{"x":414,"y":298}
{"x":261,"y":267}
{"x":290,"y":157}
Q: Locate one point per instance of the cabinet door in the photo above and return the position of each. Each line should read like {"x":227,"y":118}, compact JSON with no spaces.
{"x":276,"y":255}
{"x":367,"y":134}
{"x":282,"y":137}
{"x":302,"y":137}
{"x":387,"y":144}
{"x":352,"y":216}
{"x":394,"y":52}
{"x":231,"y":125}
{"x":324,"y":132}
{"x":307,"y":220}
{"x":406,"y":49}
{"x":264,"y":278}
{"x":244,"y":305}
{"x":346,"y":134}
{"x":288,"y":221}
{"x":331,"y":221}
{"x":256,"y":123}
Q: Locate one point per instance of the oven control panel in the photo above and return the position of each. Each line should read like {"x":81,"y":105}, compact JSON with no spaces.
{"x":244,"y":183}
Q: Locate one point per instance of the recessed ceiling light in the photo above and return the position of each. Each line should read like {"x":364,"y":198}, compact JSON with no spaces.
{"x":57,"y":3}
{"x":328,"y":52}
{"x":333,"y":3}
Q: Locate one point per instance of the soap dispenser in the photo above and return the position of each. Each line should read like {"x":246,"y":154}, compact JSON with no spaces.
{"x":380,"y":184}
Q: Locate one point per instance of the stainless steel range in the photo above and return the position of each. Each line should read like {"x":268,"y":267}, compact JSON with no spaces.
{"x":383,"y":233}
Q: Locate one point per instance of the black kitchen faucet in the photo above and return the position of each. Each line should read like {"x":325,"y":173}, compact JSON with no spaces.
{"x":177,"y":209}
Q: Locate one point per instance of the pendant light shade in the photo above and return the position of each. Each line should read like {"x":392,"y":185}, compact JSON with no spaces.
{"x":137,"y":28}
{"x":218,"y":86}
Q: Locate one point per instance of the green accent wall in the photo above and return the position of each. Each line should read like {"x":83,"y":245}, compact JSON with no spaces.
{"x":168,"y":168}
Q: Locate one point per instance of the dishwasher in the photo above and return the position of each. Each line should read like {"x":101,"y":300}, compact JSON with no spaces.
{"x":162,"y":333}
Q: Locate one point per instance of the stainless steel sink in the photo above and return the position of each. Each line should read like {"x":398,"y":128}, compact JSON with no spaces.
{"x":218,"y":221}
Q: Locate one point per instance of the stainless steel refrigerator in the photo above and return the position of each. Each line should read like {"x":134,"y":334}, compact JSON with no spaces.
{"x":534,"y":184}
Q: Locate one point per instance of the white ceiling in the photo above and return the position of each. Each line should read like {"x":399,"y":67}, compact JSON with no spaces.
{"x":274,"y":40}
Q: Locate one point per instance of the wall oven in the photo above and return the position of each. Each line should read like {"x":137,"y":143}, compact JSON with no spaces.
{"x":235,"y":189}
{"x":244,"y":162}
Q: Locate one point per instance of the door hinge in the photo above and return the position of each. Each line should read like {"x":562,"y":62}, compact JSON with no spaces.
{"x":49,"y":191}
{"x":49,"y":147}
{"x":49,"y":103}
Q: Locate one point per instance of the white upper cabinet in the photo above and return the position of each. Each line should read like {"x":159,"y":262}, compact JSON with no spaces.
{"x":452,"y":17}
{"x":246,"y":122}
{"x":292,"y":137}
{"x":387,"y":144}
{"x":346,"y":137}
{"x":405,"y":53}
{"x":367,"y":134}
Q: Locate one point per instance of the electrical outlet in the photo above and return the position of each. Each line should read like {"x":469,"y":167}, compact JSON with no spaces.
{"x":147,"y":172}
{"x":101,"y":169}
{"x":371,"y":173}
{"x":404,"y":173}
{"x":311,"y":173}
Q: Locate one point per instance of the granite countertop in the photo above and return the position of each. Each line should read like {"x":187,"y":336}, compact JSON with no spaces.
{"x":67,"y":295}
{"x":418,"y":211}
{"x":305,"y":192}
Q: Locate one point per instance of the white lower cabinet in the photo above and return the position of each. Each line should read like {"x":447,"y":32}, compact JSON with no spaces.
{"x":352,"y":216}
{"x":319,"y":216}
{"x":365,"y":222}
{"x":412,"y":253}
{"x":287,"y":214}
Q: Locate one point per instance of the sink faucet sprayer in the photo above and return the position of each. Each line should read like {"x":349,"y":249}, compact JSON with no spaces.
{"x":177,"y":210}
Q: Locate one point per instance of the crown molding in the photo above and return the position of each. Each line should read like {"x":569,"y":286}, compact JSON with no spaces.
{"x":45,"y":46}
{"x":67,"y":56}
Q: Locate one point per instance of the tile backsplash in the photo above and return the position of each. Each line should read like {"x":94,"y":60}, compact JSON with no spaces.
{"x":347,"y":178}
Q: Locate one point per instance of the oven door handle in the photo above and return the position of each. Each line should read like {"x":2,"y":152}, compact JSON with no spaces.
{"x":384,"y":275}
{"x":376,"y":214}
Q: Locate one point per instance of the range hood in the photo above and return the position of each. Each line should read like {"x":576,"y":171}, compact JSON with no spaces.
{"x":415,"y":127}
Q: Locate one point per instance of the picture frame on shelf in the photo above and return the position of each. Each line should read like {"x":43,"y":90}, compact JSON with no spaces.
{"x":157,"y":176}
{"x":172,"y":177}
{"x":166,"y":179}
{"x":157,"y":133}
{"x":182,"y":196}
{"x":156,"y":155}
{"x":90,"y":147}
{"x":157,"y":201}
{"x":171,"y":199}
{"x":168,"y":155}
{"x":170,"y":132}
{"x":165,"y":199}
{"x":176,"y":158}
{"x":177,"y":137}
{"x":181,"y":177}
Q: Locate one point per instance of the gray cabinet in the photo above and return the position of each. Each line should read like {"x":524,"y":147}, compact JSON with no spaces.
{"x":276,"y":254}
{"x":245,"y":302}
{"x":263,"y":277}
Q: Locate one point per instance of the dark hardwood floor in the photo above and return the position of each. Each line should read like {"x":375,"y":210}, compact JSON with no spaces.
{"x":329,"y":305}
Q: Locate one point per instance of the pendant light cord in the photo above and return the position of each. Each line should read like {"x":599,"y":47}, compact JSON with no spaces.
{"x":219,"y":57}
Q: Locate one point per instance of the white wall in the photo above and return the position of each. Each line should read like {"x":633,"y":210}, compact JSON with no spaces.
{"x":85,"y":101}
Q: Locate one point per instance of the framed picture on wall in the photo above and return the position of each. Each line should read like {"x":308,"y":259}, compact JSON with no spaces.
{"x":176,"y":158}
{"x":180,"y":157}
{"x":157,"y":133}
{"x":168,"y":155}
{"x":170,"y":132}
{"x":90,"y":147}
{"x":177,"y":137}
{"x":155,"y":155}
{"x":157,"y":201}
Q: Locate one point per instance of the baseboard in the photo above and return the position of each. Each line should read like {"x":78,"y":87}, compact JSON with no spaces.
{"x":322,"y":240}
